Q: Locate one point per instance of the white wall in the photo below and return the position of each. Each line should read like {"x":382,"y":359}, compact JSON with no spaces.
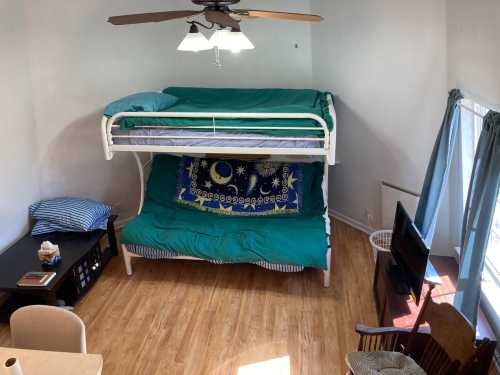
{"x":80,"y":63}
{"x":473,"y":35}
{"x":386,"y":61}
{"x":19,"y":185}
{"x":474,"y":49}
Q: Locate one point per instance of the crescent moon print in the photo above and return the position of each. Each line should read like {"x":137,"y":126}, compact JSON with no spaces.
{"x":251,"y":185}
{"x":236,"y":190}
{"x":215,"y":173}
{"x":240,"y":187}
{"x":264,"y":192}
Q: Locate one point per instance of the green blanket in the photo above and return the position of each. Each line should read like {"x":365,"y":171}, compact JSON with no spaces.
{"x":243,"y":101}
{"x":163,"y":224}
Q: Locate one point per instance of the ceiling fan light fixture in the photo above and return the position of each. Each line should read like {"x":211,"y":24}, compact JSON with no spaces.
{"x":194,"y":41}
{"x":233,"y":40}
{"x":219,"y":38}
{"x":239,"y":41}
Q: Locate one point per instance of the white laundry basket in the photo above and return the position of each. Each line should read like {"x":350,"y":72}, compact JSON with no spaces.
{"x":380,"y":241}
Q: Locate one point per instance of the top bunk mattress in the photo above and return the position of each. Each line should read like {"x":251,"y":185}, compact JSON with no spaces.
{"x":229,"y":100}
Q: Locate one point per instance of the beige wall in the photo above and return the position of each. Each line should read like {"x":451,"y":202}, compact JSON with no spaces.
{"x":19,"y":182}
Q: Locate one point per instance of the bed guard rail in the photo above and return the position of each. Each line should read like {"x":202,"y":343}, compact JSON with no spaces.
{"x":326,"y":143}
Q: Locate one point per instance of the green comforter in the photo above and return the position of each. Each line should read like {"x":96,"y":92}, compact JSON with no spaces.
{"x":244,"y":101}
{"x":163,"y":224}
{"x":294,"y":240}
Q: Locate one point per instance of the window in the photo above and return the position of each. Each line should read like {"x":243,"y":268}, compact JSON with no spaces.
{"x":470,"y":129}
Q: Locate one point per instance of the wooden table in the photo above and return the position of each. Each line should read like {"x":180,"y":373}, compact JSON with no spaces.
{"x":53,"y":363}
{"x":395,"y":310}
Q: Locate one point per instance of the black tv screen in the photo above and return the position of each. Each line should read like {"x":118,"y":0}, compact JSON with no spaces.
{"x":409,"y":252}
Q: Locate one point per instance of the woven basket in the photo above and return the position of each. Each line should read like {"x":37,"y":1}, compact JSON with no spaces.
{"x":380,"y":241}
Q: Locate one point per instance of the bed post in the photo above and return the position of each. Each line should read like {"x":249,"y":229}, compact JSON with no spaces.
{"x":127,"y":259}
{"x":141,"y":178}
{"x":327,"y":273}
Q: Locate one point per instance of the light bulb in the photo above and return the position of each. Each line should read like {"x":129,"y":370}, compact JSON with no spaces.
{"x":194,"y":41}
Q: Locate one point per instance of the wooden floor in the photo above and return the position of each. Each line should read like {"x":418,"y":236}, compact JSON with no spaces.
{"x":184,"y":317}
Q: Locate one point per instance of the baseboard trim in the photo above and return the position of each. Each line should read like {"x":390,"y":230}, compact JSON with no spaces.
{"x":350,"y":221}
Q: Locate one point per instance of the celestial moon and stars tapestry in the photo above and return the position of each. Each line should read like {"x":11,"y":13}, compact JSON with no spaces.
{"x":236,"y":187}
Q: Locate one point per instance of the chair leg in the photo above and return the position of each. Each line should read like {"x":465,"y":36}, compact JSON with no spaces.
{"x":127,"y":259}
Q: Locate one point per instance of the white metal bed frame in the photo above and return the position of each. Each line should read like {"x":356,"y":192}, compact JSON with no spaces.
{"x":326,"y":150}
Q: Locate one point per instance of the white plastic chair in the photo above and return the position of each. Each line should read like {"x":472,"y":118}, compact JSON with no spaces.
{"x":50,"y":328}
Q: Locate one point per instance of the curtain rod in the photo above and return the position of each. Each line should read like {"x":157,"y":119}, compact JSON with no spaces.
{"x":469,"y":109}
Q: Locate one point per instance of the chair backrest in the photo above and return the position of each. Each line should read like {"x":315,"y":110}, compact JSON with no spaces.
{"x":49,"y":328}
{"x":449,"y":329}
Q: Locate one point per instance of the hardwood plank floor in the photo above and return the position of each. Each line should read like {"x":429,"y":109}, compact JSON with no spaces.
{"x":185,"y":317}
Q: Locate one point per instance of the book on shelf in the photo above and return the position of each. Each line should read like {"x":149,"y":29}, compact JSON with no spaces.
{"x":36,"y":279}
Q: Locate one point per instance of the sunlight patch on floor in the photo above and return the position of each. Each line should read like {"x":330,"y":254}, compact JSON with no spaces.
{"x":276,"y":366}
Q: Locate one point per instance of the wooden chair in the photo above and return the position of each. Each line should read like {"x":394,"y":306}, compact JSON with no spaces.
{"x":446,"y":347}
{"x":50,"y":328}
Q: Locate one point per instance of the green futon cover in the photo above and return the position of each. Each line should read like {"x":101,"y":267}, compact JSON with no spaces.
{"x":192,"y":99}
{"x":165,"y":225}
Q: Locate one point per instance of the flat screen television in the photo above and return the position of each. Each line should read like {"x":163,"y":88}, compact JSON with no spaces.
{"x":410,"y":254}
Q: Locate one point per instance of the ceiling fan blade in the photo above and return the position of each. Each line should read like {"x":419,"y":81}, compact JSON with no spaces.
{"x":221,"y":18}
{"x":130,"y":19}
{"x":278,"y":15}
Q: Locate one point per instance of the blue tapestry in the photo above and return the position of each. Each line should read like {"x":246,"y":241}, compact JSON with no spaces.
{"x":235,"y":187}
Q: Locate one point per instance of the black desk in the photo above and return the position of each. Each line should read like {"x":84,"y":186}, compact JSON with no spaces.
{"x":75,"y":248}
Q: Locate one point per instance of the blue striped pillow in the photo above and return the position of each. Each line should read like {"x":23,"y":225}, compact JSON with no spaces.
{"x":44,"y":226}
{"x":72,"y":214}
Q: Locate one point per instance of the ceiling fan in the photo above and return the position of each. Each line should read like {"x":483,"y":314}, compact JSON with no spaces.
{"x":215,"y":11}
{"x":226,"y":21}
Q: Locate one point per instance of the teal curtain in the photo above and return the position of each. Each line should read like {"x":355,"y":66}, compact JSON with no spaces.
{"x":438,"y":169}
{"x":478,"y":217}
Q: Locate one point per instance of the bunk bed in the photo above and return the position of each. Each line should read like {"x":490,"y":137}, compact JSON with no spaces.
{"x":281,"y":130}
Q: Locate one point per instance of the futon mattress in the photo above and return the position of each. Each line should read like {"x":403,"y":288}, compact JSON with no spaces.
{"x":289,"y":239}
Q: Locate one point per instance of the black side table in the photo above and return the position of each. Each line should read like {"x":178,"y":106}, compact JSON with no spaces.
{"x":83,"y":259}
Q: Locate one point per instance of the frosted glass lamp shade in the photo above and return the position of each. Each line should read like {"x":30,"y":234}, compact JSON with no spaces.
{"x":219,"y":39}
{"x":194,"y":41}
{"x":239,"y":41}
{"x":233,"y":40}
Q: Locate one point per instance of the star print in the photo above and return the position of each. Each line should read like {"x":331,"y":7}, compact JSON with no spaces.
{"x":201,"y":200}
{"x":276,"y":182}
{"x":240,"y":170}
{"x":224,"y":209}
{"x":190,"y":170}
{"x":291,"y":181}
{"x":249,"y":205}
{"x":183,"y":190}
{"x":277,"y":208}
{"x":204,"y":164}
{"x":208,"y":184}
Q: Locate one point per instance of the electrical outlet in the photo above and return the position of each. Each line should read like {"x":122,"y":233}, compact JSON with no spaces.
{"x":369,"y":218}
